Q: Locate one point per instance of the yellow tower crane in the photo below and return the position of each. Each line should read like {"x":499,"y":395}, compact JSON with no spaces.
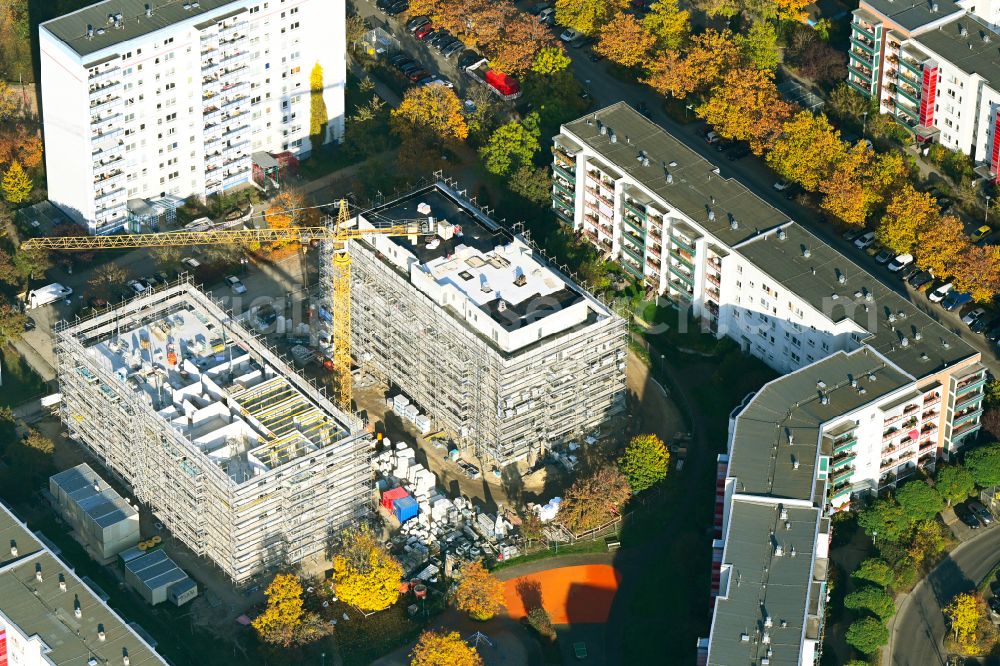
{"x":339,"y":234}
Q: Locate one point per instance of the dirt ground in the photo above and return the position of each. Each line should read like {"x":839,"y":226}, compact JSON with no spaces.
{"x":650,"y":405}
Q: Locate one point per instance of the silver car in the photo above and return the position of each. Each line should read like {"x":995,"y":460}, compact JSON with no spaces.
{"x":981,"y":512}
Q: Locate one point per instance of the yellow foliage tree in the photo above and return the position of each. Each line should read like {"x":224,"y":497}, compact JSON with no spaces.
{"x":860,"y":183}
{"x":710,"y":56}
{"x":588,"y":16}
{"x":909,"y":214}
{"x":431,"y":110}
{"x":965,"y":613}
{"x":283,"y":615}
{"x":625,"y":41}
{"x":746,"y":106}
{"x":941,"y":246}
{"x":31,"y":152}
{"x":318,"y":116}
{"x":365,"y":575}
{"x":807,"y":150}
{"x":668,"y":23}
{"x":479,"y":593}
{"x":978,"y":272}
{"x":16,"y":184}
{"x":443,"y":649}
{"x":791,"y":10}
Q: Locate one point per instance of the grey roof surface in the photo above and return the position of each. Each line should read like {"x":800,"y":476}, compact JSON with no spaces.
{"x":761,"y":582}
{"x":72,"y":28}
{"x":762,"y":457}
{"x":948,"y":42}
{"x":155,"y":570}
{"x":104,"y":506}
{"x":42,"y":608}
{"x":13,"y":534}
{"x":912,"y":14}
{"x":695,"y":181}
{"x":694,"y":187}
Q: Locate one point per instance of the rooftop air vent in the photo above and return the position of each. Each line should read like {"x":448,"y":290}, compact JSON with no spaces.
{"x":824,"y":399}
{"x":38,"y":572}
{"x":101,"y":636}
{"x":934,"y":7}
{"x":781,"y":234}
{"x":501,"y":305}
{"x":670,"y":179}
{"x":821,"y":384}
{"x":778,"y":550}
{"x":869,"y":296}
{"x":149,"y":10}
{"x":904,"y":341}
{"x":734,"y":224}
{"x":90,"y":31}
{"x":601,"y":127}
{"x":744,"y":637}
{"x":806,"y":252}
{"x":783,"y":514}
{"x":917,"y":335}
{"x":986,"y":38}
{"x":77,"y":609}
{"x":13,"y":548}
{"x":841,"y":278}
{"x":962,"y":31}
{"x":711,"y":216}
{"x":768,"y":622}
{"x":62,"y":583}
{"x":612,"y":137}
{"x":791,"y":551}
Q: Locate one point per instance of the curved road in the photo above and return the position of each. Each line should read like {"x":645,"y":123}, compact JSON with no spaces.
{"x":919,"y":628}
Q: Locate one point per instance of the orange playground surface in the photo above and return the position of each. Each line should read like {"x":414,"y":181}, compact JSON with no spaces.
{"x":571,"y":595}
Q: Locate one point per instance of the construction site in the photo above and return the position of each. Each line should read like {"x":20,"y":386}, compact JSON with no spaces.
{"x":243,"y":460}
{"x":506,"y":354}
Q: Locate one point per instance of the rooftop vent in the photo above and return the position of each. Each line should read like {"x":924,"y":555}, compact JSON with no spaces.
{"x":670,"y":179}
{"x":149,"y":11}
{"x":62,"y":583}
{"x":783,"y":514}
{"x":784,"y":624}
{"x":791,"y":551}
{"x":824,"y":399}
{"x":13,"y":548}
{"x":38,"y":572}
{"x":781,"y":234}
{"x":711,"y":216}
{"x":986,"y":38}
{"x":90,"y":31}
{"x":501,"y":305}
{"x":734,"y":224}
{"x":869,"y":296}
{"x":778,"y":550}
{"x":768,"y":622}
{"x":962,"y":30}
{"x":744,"y":637}
{"x":917,"y":335}
{"x":841,"y":278}
{"x":820,"y":384}
{"x":101,"y":636}
{"x":612,"y":137}
{"x":934,"y":6}
{"x":904,"y":341}
{"x":601,"y":127}
{"x":806,"y":252}
{"x":125,"y":660}
{"x":795,"y":462}
{"x":77,"y":610}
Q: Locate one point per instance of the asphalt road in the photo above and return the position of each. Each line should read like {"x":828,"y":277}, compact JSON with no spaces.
{"x":919,"y":629}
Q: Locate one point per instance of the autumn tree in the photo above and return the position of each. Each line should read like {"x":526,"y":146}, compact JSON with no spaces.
{"x":318,"y":116}
{"x":705,"y":63}
{"x":668,"y":24}
{"x":955,"y":483}
{"x":588,"y":16}
{"x":625,"y":41}
{"x":978,"y":272}
{"x":719,"y":8}
{"x":965,"y":613}
{"x":550,"y":59}
{"x":746,"y":106}
{"x":12,"y":322}
{"x":539,"y":620}
{"x":365,"y":575}
{"x":8,"y":101}
{"x":984,"y":463}
{"x":478,"y":593}
{"x":522,"y":39}
{"x":868,"y":635}
{"x":759,"y":45}
{"x":927,"y":543}
{"x":433,"y":112}
{"x":645,"y":462}
{"x":16,"y":184}
{"x":875,"y":571}
{"x":872,"y":598}
{"x":807,"y":151}
{"x":22,"y":144}
{"x":107,"y":279}
{"x":942,"y":244}
{"x":860,"y":182}
{"x":512,"y":146}
{"x":594,"y":499}
{"x":909,"y":214}
{"x":283,"y":614}
{"x":443,"y":649}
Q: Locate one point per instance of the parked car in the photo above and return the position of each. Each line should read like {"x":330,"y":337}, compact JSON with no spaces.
{"x":416,"y":22}
{"x":920,"y":279}
{"x":468,"y":58}
{"x":236,"y":285}
{"x":29,"y":324}
{"x":900,"y":262}
{"x":398,"y":8}
{"x":852,"y":234}
{"x":425,"y":31}
{"x":966,"y":516}
{"x":452,"y":49}
{"x":418,"y":74}
{"x":863,"y":241}
{"x":907,"y":271}
{"x":190,"y":262}
{"x":993,"y":330}
{"x":712,"y":137}
{"x":539,"y":7}
{"x":569,"y":35}
{"x":439,"y":81}
{"x":981,"y":325}
{"x":404,"y":63}
{"x":440,"y":38}
{"x":410,"y":67}
{"x":972,"y":316}
{"x":981,"y":233}
{"x":956,"y":299}
{"x":547,"y":16}
{"x":982,"y":513}
{"x":738,"y":152}
{"x":874,"y":249}
{"x":382,"y":5}
{"x":938,"y":294}
{"x":137,"y":286}
{"x":883,"y":256}
{"x":396,"y":58}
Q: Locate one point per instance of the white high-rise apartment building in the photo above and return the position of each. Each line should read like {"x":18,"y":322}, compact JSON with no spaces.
{"x":146,"y":98}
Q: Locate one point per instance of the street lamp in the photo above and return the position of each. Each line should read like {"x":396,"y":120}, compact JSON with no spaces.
{"x":987,"y":218}
{"x":864,"y":123}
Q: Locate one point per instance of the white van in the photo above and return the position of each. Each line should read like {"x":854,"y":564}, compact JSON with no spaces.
{"x":47,"y":294}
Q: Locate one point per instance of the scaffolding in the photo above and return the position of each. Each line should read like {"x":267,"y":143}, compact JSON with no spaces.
{"x":243,"y":460}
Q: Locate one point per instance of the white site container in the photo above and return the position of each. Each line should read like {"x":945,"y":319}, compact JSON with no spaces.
{"x":423,"y":423}
{"x":410,"y":412}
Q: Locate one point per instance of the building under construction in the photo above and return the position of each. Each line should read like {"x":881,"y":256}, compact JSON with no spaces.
{"x":242,"y":459}
{"x":504,"y":352}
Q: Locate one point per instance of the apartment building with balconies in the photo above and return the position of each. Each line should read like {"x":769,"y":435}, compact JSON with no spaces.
{"x":935,"y":68}
{"x":147,"y":99}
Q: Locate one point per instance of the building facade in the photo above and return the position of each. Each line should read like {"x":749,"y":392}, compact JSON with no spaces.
{"x":239,"y":457}
{"x":147,"y":99}
{"x":503,"y":351}
{"x":48,"y":616}
{"x":935,"y":68}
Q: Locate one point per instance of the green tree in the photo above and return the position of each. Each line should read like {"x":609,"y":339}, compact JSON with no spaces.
{"x":16,"y":184}
{"x":919,"y":500}
{"x":991,"y":394}
{"x":12,"y":322}
{"x":318,"y":116}
{"x":512,"y":146}
{"x":955,"y":483}
{"x":29,"y":264}
{"x":872,"y":598}
{"x":533,"y":184}
{"x":846,"y":103}
{"x":867,"y":635}
{"x":668,"y":23}
{"x":549,"y":60}
{"x":645,"y":462}
{"x":984,"y":463}
{"x":759,"y":45}
{"x":886,"y":518}
{"x":876,"y":571}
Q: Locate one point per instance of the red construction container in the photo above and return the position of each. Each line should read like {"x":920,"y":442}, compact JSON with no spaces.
{"x":505,"y":84}
{"x":389,"y":497}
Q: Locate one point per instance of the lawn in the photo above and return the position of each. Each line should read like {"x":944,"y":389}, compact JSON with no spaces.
{"x":20,"y":382}
{"x":586,"y":546}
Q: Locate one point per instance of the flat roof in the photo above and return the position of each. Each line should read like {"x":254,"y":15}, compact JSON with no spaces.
{"x":72,"y":28}
{"x":240,"y":406}
{"x":764,"y":585}
{"x":675,"y":173}
{"x":494,"y":270}
{"x":780,"y":425}
{"x":913,"y":14}
{"x":93,"y":495}
{"x":13,"y":534}
{"x":977,"y":51}
{"x":42,"y":609}
{"x":155,"y":570}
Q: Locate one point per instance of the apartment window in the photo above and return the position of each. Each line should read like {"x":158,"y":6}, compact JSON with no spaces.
{"x":825,"y":346}
{"x":795,"y":357}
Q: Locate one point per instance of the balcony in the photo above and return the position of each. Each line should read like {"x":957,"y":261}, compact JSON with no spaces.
{"x":653,"y":266}
{"x":712,"y":279}
{"x":563,"y":187}
{"x":966,"y":416}
{"x":842,"y":474}
{"x":563,"y":203}
{"x":637,"y":256}
{"x":564,"y":172}
{"x":635,"y":226}
{"x":654,"y":252}
{"x":965,"y":430}
{"x":908,"y":92}
{"x":102,"y":136}
{"x":682,"y":259}
{"x":108,"y":89}
{"x":844,"y":444}
{"x":713,"y":294}
{"x":968,"y":385}
{"x":863,"y":73}
{"x":844,"y":459}
{"x":890,"y":433}
{"x":966,"y":401}
{"x":561,"y":153}
{"x":864,"y":89}
{"x":591,"y":235}
{"x":633,"y":242}
{"x":655,"y":230}
{"x":899,"y":106}
{"x":635,"y":209}
{"x":864,"y":30}
{"x":109,"y":195}
{"x":102,"y":105}
{"x":682,"y":289}
{"x":100,"y":77}
{"x":912,"y":65}
{"x":633,"y":269}
{"x":112,"y":179}
{"x":689,"y":279}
